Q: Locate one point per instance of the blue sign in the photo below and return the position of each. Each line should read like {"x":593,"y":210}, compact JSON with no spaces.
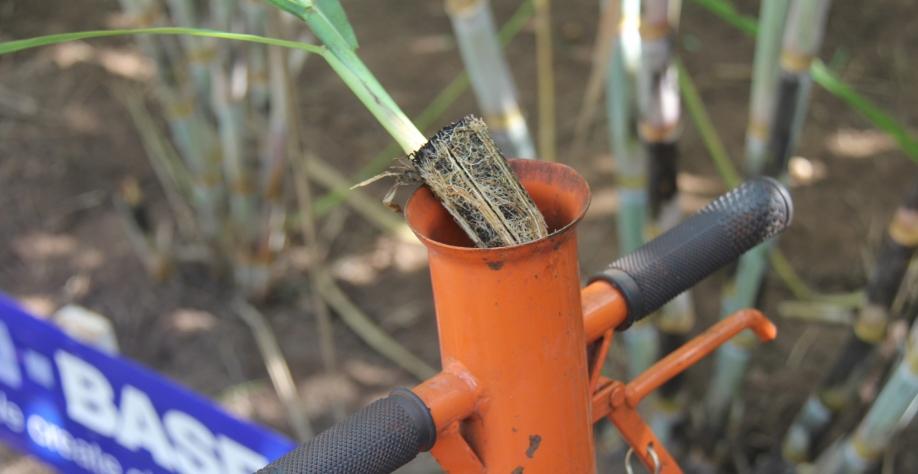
{"x":84,"y":411}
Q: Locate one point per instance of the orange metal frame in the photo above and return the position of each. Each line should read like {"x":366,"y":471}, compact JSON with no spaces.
{"x":517,"y":392}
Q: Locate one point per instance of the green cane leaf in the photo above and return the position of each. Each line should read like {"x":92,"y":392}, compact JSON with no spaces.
{"x":28,"y":43}
{"x":326,"y":18}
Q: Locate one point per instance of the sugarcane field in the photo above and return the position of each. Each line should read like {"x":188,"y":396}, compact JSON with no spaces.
{"x":463,"y":236}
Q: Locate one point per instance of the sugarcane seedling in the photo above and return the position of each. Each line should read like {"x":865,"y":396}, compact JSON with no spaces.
{"x":838,"y":390}
{"x":482,"y":55}
{"x":280,"y":146}
{"x":802,"y":37}
{"x":461,"y":163}
{"x":893,"y":410}
{"x":425,"y":119}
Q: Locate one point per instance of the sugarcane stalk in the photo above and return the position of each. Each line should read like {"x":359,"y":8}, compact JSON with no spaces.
{"x":200,"y":51}
{"x":229,"y":110}
{"x":829,"y":81}
{"x":172,"y":175}
{"x":546,"y":80}
{"x":258,"y":79}
{"x":800,"y":43}
{"x":772,"y":15}
{"x":628,"y":155}
{"x":659,"y":127}
{"x":750,"y":271}
{"x":189,"y":129}
{"x":641,"y":342}
{"x":479,"y":46}
{"x":658,"y":98}
{"x":837,"y":391}
{"x":802,"y":39}
{"x":731,"y":177}
{"x":888,"y":415}
{"x":605,"y":49}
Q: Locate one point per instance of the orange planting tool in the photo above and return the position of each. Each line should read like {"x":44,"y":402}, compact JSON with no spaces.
{"x":522,"y":345}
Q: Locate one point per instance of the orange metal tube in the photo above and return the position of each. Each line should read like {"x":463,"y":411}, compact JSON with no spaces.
{"x":604,"y":308}
{"x":696,"y":349}
{"x":450,"y":395}
{"x":600,"y":359}
{"x":512,"y":316}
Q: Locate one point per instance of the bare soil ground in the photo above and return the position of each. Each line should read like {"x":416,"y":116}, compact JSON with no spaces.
{"x":66,"y":141}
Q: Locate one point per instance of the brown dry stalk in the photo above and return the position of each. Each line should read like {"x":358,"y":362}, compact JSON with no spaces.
{"x":466,"y":171}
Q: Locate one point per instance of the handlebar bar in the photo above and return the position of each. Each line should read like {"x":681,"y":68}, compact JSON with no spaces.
{"x":378,"y":439}
{"x":719,"y":233}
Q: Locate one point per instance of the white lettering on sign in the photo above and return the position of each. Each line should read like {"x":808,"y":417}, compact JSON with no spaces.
{"x":88,"y":394}
{"x":9,"y":367}
{"x":237,"y":459}
{"x":194,"y":444}
{"x":140,"y":427}
{"x":11,"y":414}
{"x":83,"y":453}
{"x":176,"y":440}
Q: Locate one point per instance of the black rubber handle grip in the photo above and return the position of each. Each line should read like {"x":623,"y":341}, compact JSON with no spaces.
{"x":378,"y":439}
{"x":675,"y":261}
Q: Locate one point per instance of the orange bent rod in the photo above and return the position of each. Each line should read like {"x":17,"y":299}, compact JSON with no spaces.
{"x":619,"y":402}
{"x":697,"y":349}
